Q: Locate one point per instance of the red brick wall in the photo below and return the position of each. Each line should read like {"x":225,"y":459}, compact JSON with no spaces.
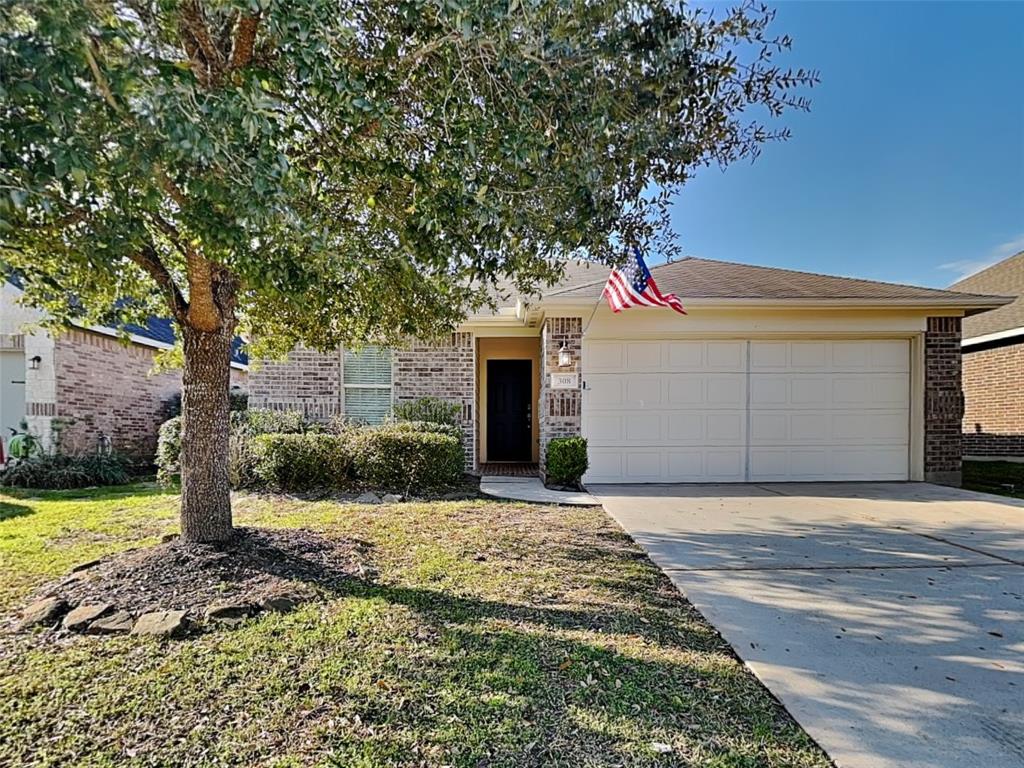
{"x":105,"y":387}
{"x":943,"y":401}
{"x":993,"y":423}
{"x":560,"y":409}
{"x":447,"y":371}
{"x":308,"y":381}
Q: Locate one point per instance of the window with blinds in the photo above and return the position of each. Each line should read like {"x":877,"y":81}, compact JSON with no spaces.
{"x":367,"y":379}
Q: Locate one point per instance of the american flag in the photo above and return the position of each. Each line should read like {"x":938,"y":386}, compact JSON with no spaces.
{"x":633,"y":286}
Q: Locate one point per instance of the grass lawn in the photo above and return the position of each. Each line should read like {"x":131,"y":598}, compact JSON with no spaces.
{"x":995,"y":477}
{"x":492,"y":634}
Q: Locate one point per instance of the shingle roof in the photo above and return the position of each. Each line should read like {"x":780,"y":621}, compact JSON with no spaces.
{"x":1006,"y":277}
{"x":158,"y":329}
{"x":694,"y":278}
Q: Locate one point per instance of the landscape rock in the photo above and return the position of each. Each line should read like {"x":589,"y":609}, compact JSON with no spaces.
{"x":280,"y":603}
{"x":81,"y":617}
{"x":159,"y":623}
{"x":114,"y":624}
{"x":391,"y":498}
{"x":368,"y":498}
{"x":86,"y":565}
{"x":43,"y":612}
{"x":229,"y":611}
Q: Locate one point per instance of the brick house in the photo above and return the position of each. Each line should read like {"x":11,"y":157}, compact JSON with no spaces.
{"x":993,"y":362}
{"x":86,"y":383}
{"x":773,"y":375}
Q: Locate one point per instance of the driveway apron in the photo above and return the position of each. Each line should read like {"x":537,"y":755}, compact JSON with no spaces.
{"x":887,"y":617}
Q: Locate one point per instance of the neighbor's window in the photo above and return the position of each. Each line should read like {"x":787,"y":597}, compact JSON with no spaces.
{"x":367,"y":374}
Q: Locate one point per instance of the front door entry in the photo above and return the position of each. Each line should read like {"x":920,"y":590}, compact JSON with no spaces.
{"x":509,"y":414}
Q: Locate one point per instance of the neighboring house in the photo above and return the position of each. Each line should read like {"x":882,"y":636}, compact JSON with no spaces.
{"x":773,"y":375}
{"x":86,"y":383}
{"x":993,"y":360}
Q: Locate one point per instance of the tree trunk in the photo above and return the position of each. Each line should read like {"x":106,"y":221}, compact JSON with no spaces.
{"x":205,"y":490}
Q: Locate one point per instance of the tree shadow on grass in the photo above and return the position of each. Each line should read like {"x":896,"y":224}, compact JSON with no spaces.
{"x":9,"y":511}
{"x":523,"y":685}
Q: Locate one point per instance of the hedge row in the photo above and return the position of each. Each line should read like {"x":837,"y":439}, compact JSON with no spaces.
{"x":406,"y":457}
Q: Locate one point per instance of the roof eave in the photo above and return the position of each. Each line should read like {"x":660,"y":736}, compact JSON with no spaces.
{"x":977,"y":304}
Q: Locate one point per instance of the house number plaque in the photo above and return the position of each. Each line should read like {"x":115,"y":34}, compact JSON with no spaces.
{"x":565,"y":381}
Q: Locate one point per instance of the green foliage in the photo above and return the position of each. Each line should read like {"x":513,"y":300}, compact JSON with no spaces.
{"x":430,"y":409}
{"x":405,"y":460}
{"x":60,"y":471}
{"x":566,"y":460}
{"x":264,"y":421}
{"x":368,"y":171}
{"x":168,"y":450}
{"x":244,"y":424}
{"x":427,"y":426}
{"x":301,"y":462}
{"x":238,"y":400}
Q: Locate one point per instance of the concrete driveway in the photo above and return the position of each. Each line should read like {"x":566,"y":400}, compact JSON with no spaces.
{"x":887,"y":617}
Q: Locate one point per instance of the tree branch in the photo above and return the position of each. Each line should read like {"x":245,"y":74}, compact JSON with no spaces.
{"x":245,"y":41}
{"x":101,"y":81}
{"x":149,"y":260}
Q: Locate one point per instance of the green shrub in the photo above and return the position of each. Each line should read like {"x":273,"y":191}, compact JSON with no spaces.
{"x":263,"y":421}
{"x":399,"y":459}
{"x":300,"y":462}
{"x":168,"y":450}
{"x":432,"y":409}
{"x":244,"y":424}
{"x":238,"y":400}
{"x":566,"y":460}
{"x":427,"y":426}
{"x":60,"y":471}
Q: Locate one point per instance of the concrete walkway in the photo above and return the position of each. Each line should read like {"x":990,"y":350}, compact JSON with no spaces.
{"x":887,"y":617}
{"x":531,"y":489}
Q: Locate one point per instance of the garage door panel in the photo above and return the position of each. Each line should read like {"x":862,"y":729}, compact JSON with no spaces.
{"x":665,"y":428}
{"x":725,"y":356}
{"x":644,"y":428}
{"x":644,"y":356}
{"x":685,"y":355}
{"x":866,"y":391}
{"x":827,"y":463}
{"x":644,"y":391}
{"x":726,"y":390}
{"x":605,"y":356}
{"x":605,"y":392}
{"x":882,"y":428}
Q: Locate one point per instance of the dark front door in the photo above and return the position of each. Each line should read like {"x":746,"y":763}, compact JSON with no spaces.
{"x":509,"y":415}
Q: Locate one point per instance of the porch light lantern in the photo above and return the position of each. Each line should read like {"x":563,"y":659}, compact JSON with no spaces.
{"x":33,"y":363}
{"x":564,"y":357}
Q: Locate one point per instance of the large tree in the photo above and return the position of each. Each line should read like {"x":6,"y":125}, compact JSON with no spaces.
{"x":332,"y":171}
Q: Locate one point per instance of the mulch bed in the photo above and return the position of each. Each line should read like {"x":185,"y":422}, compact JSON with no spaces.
{"x":257,"y":565}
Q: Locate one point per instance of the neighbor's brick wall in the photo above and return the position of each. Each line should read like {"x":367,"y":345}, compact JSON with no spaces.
{"x":307,"y":381}
{"x":104,"y":387}
{"x":993,"y":381}
{"x":943,"y":401}
{"x":446,"y":370}
{"x":559,"y":408}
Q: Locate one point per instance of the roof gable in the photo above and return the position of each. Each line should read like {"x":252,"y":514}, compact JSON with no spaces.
{"x":1006,"y":277}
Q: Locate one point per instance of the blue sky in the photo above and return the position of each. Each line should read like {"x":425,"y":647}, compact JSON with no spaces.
{"x":909,"y":166}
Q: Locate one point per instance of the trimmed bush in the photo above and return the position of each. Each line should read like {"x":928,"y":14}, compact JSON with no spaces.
{"x":427,"y":426}
{"x":566,"y":460}
{"x":258,"y":421}
{"x":432,"y":409}
{"x":60,"y":471}
{"x":301,"y":462}
{"x":398,"y":459}
{"x":168,"y":450}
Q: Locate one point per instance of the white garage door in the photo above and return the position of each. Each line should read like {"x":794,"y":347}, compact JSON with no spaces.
{"x":735,"y":411}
